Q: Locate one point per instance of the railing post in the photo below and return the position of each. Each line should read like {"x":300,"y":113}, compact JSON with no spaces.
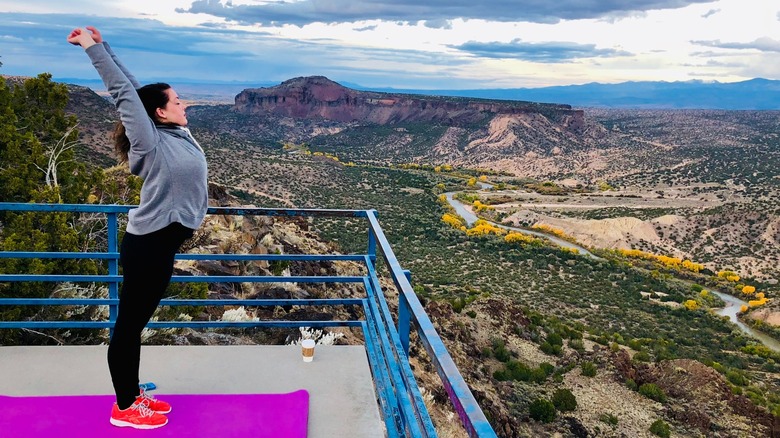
{"x":371,"y":243}
{"x":113,"y":269}
{"x":404,"y":317}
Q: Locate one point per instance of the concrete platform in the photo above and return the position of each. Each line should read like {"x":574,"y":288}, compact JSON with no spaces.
{"x":342,"y":400}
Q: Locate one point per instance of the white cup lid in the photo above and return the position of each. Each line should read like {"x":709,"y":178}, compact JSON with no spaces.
{"x":308,"y":343}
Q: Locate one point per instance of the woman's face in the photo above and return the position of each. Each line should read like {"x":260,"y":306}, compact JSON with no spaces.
{"x":173,"y":112}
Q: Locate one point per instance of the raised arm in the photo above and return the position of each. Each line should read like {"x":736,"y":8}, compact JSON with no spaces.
{"x":98,"y":38}
{"x":139,"y":127}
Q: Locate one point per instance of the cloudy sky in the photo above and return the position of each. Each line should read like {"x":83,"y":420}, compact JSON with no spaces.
{"x":430,"y":44}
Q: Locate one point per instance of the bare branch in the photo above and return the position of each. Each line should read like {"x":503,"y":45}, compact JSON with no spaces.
{"x":58,"y":341}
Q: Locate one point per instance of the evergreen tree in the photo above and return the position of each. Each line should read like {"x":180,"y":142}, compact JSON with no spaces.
{"x":37,"y":164}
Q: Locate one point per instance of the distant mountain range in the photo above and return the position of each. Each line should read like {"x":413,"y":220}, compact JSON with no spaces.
{"x":754,"y":94}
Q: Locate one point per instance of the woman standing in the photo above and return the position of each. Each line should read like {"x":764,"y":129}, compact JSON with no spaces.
{"x":153,"y":139}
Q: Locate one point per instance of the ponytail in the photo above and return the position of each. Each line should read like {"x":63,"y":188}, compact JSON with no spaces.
{"x":121,"y":142}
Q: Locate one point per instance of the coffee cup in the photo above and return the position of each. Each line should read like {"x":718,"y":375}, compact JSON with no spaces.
{"x":307,"y":349}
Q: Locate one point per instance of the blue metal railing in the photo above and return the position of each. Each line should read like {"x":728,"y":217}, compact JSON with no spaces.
{"x":386,"y":341}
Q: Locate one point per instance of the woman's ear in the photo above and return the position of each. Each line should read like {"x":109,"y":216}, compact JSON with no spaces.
{"x":160,"y":113}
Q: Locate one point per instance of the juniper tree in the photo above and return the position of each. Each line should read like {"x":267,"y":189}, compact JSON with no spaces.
{"x":37,"y":164}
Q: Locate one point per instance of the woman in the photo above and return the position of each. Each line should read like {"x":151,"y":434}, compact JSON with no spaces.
{"x":153,"y":139}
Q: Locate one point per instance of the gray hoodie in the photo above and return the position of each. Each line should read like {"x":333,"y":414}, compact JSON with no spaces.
{"x":170,"y":161}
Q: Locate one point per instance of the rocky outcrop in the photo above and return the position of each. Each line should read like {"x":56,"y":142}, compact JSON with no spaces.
{"x":319,"y":97}
{"x":700,"y":397}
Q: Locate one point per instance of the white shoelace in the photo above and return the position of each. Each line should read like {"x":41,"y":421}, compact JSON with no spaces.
{"x":142,"y":409}
{"x":146,"y":399}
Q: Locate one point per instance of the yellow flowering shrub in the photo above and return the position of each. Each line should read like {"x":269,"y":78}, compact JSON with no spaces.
{"x":729,"y":275}
{"x":515,"y":237}
{"x":691,"y":266}
{"x":480,"y":207}
{"x":452,"y":220}
{"x":756,"y":303}
{"x":484,"y":228}
{"x":550,"y":229}
{"x":669,"y":262}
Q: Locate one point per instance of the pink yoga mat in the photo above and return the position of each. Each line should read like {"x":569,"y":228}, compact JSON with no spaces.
{"x":192,"y":415}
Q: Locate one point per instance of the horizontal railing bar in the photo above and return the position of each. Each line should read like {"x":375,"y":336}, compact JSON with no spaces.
{"x":180,"y":324}
{"x":290,"y":257}
{"x":72,"y":278}
{"x":70,"y":208}
{"x":314,"y":212}
{"x":237,"y":257}
{"x":265,"y":279}
{"x":179,"y":302}
{"x":116,"y":208}
{"x":188,"y":278}
{"x":57,"y":255}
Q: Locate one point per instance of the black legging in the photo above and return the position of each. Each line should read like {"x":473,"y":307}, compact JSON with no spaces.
{"x":147,"y":263}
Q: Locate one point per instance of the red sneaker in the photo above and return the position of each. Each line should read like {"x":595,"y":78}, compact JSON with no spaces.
{"x":137,"y":416}
{"x":152,"y":403}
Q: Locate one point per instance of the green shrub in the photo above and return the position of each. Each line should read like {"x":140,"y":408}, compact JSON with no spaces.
{"x":609,"y":419}
{"x":652,"y":391}
{"x":631,"y":384}
{"x":183,"y":291}
{"x":277,"y":267}
{"x":737,"y":378}
{"x":538,"y":375}
{"x":542,"y":410}
{"x":755,"y":396}
{"x":577,"y":344}
{"x":564,"y":400}
{"x":458,"y":304}
{"x":573,"y":334}
{"x":555,"y":339}
{"x":660,"y":428}
{"x":588,"y":369}
{"x":548,"y":348}
{"x":518,"y":371}
{"x":642,"y":356}
{"x":547,"y":368}
{"x":502,"y":375}
{"x":500,"y":352}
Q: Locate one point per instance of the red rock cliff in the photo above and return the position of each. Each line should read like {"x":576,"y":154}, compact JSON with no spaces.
{"x":319,"y":97}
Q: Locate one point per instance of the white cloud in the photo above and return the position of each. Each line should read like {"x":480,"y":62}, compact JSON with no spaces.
{"x":408,"y":43}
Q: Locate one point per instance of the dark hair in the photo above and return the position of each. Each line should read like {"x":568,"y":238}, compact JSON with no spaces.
{"x":153,"y":96}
